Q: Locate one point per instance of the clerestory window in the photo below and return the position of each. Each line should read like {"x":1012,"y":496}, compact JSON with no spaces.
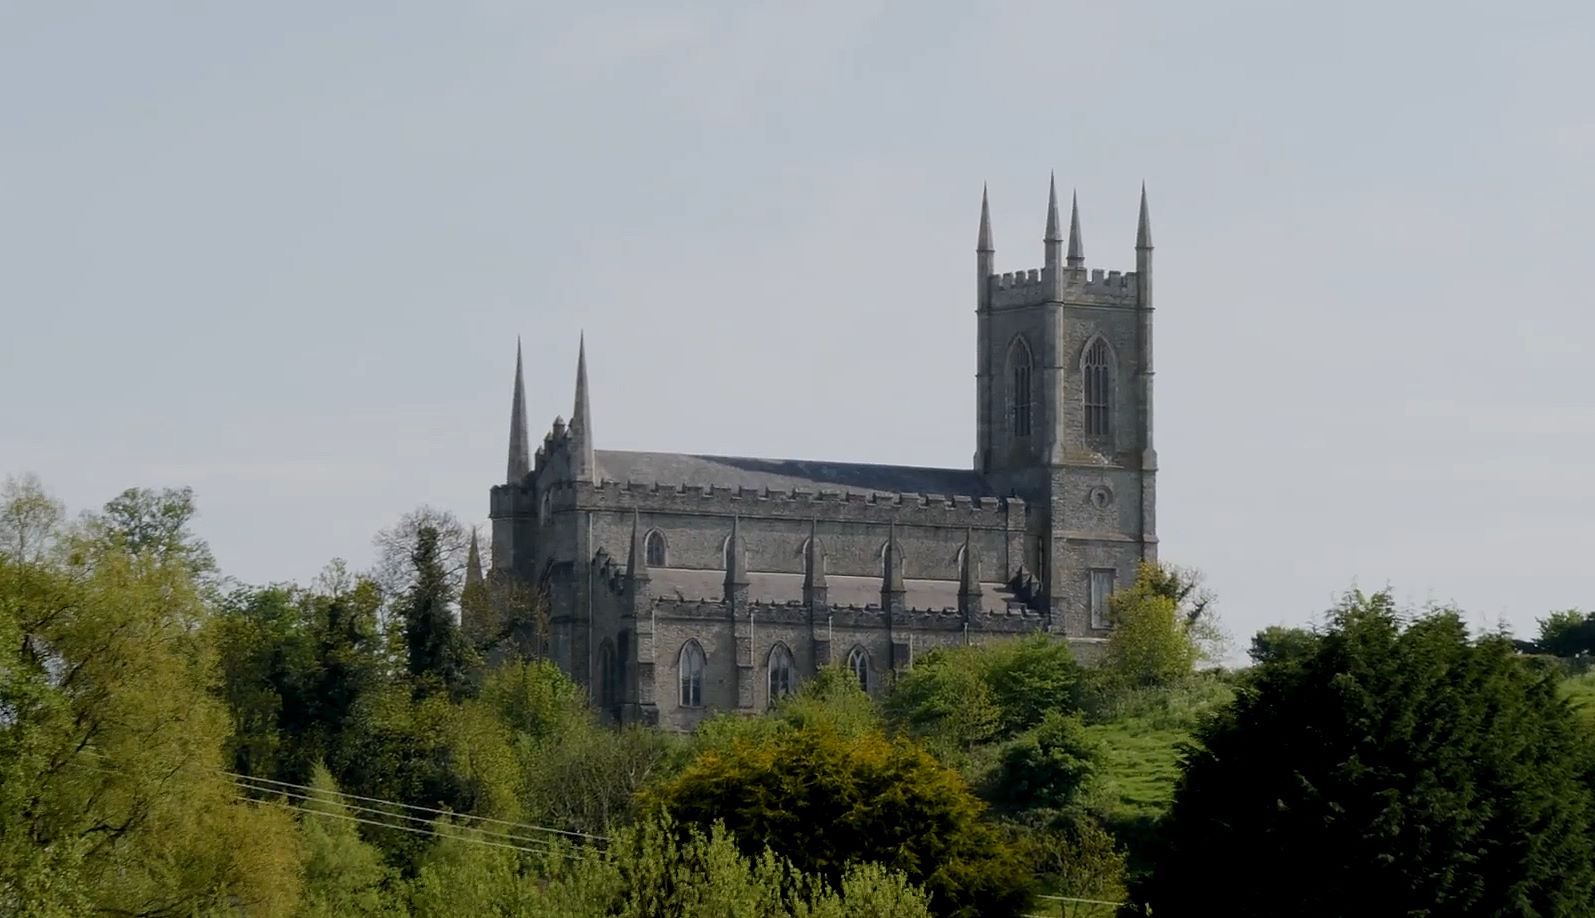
{"x":654,"y":549}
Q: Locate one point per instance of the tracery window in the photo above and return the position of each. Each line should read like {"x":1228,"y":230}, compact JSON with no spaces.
{"x":691,"y":665}
{"x":1097,"y":380}
{"x":858,"y":664}
{"x":654,"y":549}
{"x":781,"y":666}
{"x":1019,"y":400}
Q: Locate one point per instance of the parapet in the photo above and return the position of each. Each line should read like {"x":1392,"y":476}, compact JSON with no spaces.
{"x":1096,"y":287}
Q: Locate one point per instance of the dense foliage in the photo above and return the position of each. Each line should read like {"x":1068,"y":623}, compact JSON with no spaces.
{"x":1387,"y":768}
{"x":824,"y":799}
{"x":175,"y":743}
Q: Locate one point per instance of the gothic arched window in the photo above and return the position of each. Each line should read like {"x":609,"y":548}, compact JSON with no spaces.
{"x":781,"y":666}
{"x":654,"y":549}
{"x":1019,"y":404}
{"x":858,"y":665}
{"x":691,"y":664}
{"x":1096,"y":370}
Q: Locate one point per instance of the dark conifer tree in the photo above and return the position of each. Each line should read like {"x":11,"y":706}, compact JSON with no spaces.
{"x":1384,"y":770}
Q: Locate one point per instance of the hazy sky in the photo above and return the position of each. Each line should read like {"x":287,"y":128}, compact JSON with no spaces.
{"x":281,"y":251}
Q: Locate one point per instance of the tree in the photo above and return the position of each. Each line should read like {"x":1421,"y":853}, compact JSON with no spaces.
{"x":1152,"y":643}
{"x":143,"y":521}
{"x":342,"y":874}
{"x":30,"y":518}
{"x":436,"y":650}
{"x":955,"y":698}
{"x":396,"y":571}
{"x":111,"y":790}
{"x":945,"y":701}
{"x":1389,"y":770}
{"x":1569,"y":633}
{"x":825,"y":800}
{"x":1030,"y":677}
{"x":1278,"y":644}
{"x":1047,"y":767}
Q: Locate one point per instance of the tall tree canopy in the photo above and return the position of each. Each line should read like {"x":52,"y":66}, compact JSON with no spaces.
{"x":1389,"y":770}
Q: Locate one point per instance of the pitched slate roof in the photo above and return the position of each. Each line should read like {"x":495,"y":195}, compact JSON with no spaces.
{"x":785,"y":474}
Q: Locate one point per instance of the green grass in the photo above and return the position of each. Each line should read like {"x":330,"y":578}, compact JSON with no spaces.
{"x":1580,"y":693}
{"x":1140,"y":736}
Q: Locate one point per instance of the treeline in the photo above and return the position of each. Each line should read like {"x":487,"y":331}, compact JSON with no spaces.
{"x":175,"y":743}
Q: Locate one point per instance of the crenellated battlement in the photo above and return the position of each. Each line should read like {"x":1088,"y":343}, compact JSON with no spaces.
{"x":1094,"y":287}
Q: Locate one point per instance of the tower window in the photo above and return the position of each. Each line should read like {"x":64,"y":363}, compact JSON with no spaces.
{"x":1019,"y":403}
{"x":691,"y":664}
{"x":1101,"y":589}
{"x":858,"y":665}
{"x":781,"y":666}
{"x":654,"y":549}
{"x":1097,"y":384}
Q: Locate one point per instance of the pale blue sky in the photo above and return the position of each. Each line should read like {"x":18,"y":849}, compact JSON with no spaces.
{"x":280,"y":252}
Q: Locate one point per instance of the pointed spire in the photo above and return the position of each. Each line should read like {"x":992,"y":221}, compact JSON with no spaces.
{"x":637,"y":560}
{"x":1076,"y":242}
{"x":983,"y":243}
{"x":969,"y":575}
{"x":1053,"y":241}
{"x":473,"y":562}
{"x":582,"y":464}
{"x":1052,"y":211}
{"x":1143,"y":232}
{"x":814,"y":586}
{"x":813,"y":558}
{"x":892,"y":575}
{"x":520,"y":461}
{"x":736,"y":564}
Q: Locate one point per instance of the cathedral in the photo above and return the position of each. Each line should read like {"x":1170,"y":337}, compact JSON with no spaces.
{"x":676,"y":585}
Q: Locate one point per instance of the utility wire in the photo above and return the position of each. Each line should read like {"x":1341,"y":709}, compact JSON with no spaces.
{"x":306,"y":792}
{"x":429,"y":832}
{"x":424,"y":809}
{"x":311,"y":798}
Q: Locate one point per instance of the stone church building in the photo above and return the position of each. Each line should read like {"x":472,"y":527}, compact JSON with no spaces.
{"x":678,"y":584}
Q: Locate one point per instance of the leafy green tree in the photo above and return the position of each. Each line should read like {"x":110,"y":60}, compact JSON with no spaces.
{"x":825,"y":800}
{"x":30,"y":519}
{"x":1153,"y":642}
{"x":1029,"y":678}
{"x":1046,"y":767}
{"x":945,"y":701}
{"x":1279,"y":644}
{"x":1568,"y":634}
{"x":147,"y":522}
{"x":437,"y":653}
{"x":111,"y":751}
{"x":651,"y":869}
{"x":343,"y":875}
{"x":1392,"y":770}
{"x":956,"y":698}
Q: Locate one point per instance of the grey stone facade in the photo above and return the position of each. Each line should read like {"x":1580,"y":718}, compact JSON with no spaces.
{"x":752,"y":573}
